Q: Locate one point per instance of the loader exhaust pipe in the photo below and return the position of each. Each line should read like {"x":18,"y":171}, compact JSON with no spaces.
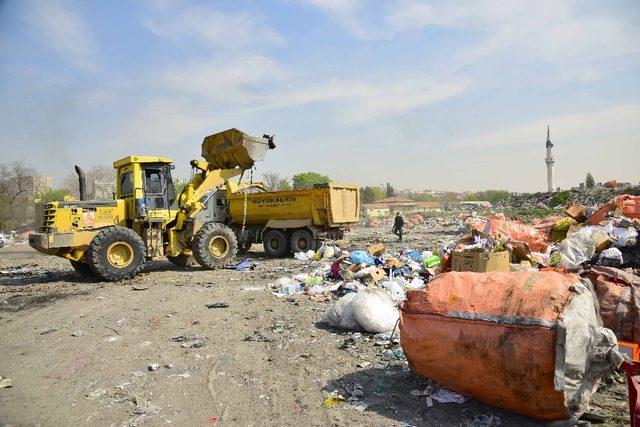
{"x":82,"y":183}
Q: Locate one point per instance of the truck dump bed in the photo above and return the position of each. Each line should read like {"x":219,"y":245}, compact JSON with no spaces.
{"x":333,"y":205}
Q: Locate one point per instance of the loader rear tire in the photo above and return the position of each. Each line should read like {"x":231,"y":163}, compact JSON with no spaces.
{"x":214,"y":245}
{"x":116,"y":253}
{"x":276,"y":243}
{"x":183,"y":260}
{"x":82,"y":268}
{"x":302,"y":241}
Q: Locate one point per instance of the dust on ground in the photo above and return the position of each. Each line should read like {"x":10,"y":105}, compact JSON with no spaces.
{"x":149,"y":351}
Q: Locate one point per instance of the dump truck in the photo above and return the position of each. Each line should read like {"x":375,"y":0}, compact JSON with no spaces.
{"x":208,"y":223}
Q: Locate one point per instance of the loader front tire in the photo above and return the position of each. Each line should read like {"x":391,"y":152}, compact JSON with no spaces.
{"x":82,"y":268}
{"x":116,"y":253}
{"x":214,"y":246}
{"x":276,"y":243}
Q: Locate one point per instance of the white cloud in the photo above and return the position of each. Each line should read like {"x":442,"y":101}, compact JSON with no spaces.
{"x":236,"y":78}
{"x":61,"y":27}
{"x":619,"y":123}
{"x":215,"y":28}
{"x":550,"y":31}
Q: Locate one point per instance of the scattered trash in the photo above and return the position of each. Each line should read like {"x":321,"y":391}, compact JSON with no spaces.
{"x":5,"y":382}
{"x":139,"y":287}
{"x":444,"y":395}
{"x":217,"y":305}
{"x":334,"y":399}
{"x":96,"y":394}
{"x":191,"y":341}
{"x":611,"y":257}
{"x":153,"y":366}
{"x":244,"y":265}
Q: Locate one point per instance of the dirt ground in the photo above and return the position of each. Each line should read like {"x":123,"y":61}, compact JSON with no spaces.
{"x":78,"y":352}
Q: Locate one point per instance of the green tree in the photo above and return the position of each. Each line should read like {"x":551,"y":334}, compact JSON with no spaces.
{"x":309,"y":179}
{"x":589,"y":182}
{"x":371,"y":194}
{"x":53,"y":195}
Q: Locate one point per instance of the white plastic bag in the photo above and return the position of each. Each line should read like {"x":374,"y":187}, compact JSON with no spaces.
{"x":580,"y":246}
{"x":371,"y":310}
{"x":334,"y":315}
{"x":611,"y":257}
{"x":625,"y":236}
{"x":395,"y":288}
{"x":374,"y":311}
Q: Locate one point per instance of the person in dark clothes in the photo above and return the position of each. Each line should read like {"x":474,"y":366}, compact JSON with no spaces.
{"x":398,"y":223}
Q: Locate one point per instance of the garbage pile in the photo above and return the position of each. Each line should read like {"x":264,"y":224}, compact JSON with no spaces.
{"x":589,"y":198}
{"x":371,"y":278}
{"x":608,"y":237}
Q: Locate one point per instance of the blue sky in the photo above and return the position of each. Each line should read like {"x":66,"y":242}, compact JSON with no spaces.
{"x":423,"y":94}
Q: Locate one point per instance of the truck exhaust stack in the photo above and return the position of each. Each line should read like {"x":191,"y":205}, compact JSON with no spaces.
{"x":82,"y":183}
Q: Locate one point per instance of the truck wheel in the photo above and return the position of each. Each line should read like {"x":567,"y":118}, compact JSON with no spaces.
{"x":244,"y":247}
{"x":302,"y":241}
{"x":183,"y":260}
{"x":214,"y":245}
{"x":276,"y":243}
{"x":82,"y":268}
{"x":116,"y":253}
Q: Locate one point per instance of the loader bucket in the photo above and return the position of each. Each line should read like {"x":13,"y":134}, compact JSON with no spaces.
{"x":233,"y":148}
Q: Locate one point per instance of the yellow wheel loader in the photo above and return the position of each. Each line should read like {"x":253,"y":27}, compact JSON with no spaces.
{"x":113,"y":239}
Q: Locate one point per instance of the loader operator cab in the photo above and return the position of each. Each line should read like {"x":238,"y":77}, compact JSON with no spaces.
{"x":145,"y":184}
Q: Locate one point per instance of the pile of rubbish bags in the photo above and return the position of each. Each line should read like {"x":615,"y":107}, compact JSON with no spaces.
{"x":608,"y":237}
{"x":362,"y":278}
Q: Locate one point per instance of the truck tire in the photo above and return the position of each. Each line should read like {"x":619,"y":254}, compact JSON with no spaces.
{"x":214,"y":245}
{"x":183,"y":260}
{"x":244,"y":247}
{"x":276,"y":243}
{"x":82,"y":268}
{"x":116,"y":253}
{"x":302,"y":241}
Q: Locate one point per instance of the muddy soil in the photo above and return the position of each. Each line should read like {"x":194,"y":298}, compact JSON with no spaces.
{"x":149,"y":351}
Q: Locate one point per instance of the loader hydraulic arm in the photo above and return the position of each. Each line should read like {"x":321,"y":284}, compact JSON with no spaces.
{"x":201,"y":183}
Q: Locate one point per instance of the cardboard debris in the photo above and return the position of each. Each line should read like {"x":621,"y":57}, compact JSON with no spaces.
{"x":376,"y":249}
{"x":576,"y":211}
{"x":480,"y":262}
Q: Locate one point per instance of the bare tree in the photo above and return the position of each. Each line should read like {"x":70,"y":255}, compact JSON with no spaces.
{"x":274,"y":182}
{"x":16,"y":180}
{"x":271,"y":180}
{"x":101,"y":183}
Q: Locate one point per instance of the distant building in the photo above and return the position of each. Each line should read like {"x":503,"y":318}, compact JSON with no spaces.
{"x":391,"y":205}
{"x":551,"y":182}
{"x":38,"y":184}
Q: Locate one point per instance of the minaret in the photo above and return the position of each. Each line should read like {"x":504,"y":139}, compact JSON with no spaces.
{"x":551,"y":184}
